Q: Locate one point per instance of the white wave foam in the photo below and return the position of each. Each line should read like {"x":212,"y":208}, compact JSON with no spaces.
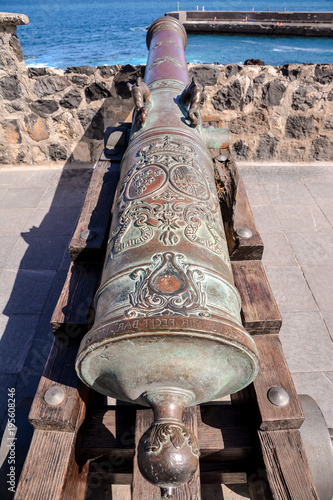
{"x":287,"y":48}
{"x":139,"y":28}
{"x":39,"y":65}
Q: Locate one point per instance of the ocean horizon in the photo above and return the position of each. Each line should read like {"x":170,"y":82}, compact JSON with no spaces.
{"x":100,"y":32}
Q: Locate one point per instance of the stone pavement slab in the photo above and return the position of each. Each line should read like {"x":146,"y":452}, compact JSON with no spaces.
{"x":33,"y":265}
{"x":312,"y":248}
{"x":277,"y":250}
{"x":296,"y":227}
{"x":290,"y":289}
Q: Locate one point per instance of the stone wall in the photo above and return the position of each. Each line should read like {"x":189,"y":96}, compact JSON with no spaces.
{"x":273,"y":113}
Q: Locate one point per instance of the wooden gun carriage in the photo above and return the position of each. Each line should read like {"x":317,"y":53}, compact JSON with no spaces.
{"x":84,"y":442}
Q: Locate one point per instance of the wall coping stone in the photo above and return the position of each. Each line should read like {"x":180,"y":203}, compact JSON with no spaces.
{"x":8,"y":18}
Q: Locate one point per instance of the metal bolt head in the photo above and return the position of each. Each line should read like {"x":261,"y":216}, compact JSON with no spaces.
{"x":278,"y":396}
{"x":244,"y":232}
{"x":88,"y":234}
{"x":221,"y":158}
{"x":54,"y":395}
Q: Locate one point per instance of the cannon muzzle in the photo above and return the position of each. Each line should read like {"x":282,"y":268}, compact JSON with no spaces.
{"x":167,"y":330}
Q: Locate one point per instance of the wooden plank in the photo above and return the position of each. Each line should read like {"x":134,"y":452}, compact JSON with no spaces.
{"x":223,"y":433}
{"x":220,"y":475}
{"x":236,"y":210}
{"x":76,"y":476}
{"x":59,"y":474}
{"x":192,"y":489}
{"x":76,"y":480}
{"x":260,"y":313}
{"x":96,"y":212}
{"x":44,"y":471}
{"x":142,"y":489}
{"x":213,"y":473}
{"x":73,"y":313}
{"x":286,"y":464}
{"x":60,"y":371}
{"x":226,"y":180}
{"x":274,"y":372}
{"x":111,"y":432}
{"x":245,"y":248}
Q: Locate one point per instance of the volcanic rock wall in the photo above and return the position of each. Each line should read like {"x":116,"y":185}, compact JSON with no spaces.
{"x":273,"y":113}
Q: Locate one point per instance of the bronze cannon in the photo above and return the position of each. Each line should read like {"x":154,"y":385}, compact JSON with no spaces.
{"x":167,"y":330}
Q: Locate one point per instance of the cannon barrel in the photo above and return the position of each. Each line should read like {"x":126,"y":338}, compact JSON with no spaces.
{"x":167,"y":331}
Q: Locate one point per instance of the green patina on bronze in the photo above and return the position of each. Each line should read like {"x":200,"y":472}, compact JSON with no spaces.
{"x":167,"y":329}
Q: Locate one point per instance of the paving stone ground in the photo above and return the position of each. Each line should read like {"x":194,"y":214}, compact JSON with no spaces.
{"x":39,"y":208}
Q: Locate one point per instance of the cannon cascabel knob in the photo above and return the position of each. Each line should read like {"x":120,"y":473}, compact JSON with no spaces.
{"x":168,"y":452}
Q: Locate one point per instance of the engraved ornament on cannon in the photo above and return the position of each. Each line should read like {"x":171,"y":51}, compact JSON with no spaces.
{"x":167,"y":330}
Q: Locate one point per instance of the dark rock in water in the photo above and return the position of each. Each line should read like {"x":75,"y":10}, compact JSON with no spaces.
{"x":44,"y":106}
{"x":80,"y":80}
{"x":206,"y":74}
{"x":71,"y":100}
{"x":81,"y":70}
{"x":301,"y":100}
{"x":96,"y":91}
{"x":32,"y":72}
{"x":128,"y":73}
{"x":15,"y":44}
{"x":57,"y":152}
{"x":93,"y":123}
{"x":322,"y":149}
{"x":299,"y":126}
{"x":49,"y":85}
{"x":323,"y":73}
{"x":254,"y":62}
{"x":291,"y":71}
{"x":241,"y":150}
{"x":273,"y":92}
{"x":10,"y":88}
{"x":232,"y":70}
{"x":266,"y":149}
{"x":228,"y":97}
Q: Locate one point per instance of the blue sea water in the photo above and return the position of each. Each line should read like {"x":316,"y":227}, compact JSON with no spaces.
{"x":98,"y":32}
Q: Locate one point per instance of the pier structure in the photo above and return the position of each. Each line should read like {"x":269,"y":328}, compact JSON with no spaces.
{"x":257,"y":23}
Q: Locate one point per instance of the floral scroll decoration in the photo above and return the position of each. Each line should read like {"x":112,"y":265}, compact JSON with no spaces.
{"x":158,"y":44}
{"x":162,"y":59}
{"x":162,"y":433}
{"x":170,"y":286}
{"x":165,"y":193}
